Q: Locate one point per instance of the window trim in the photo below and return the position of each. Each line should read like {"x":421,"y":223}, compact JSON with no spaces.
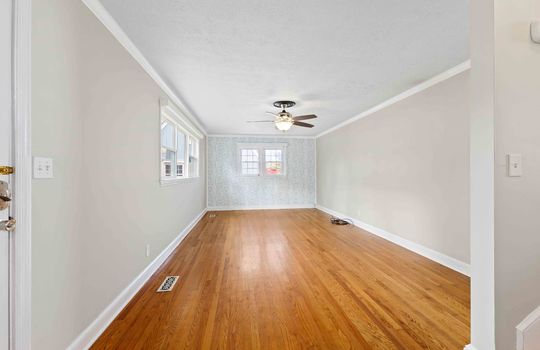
{"x":181,"y":124}
{"x":261,"y":147}
{"x":189,"y":157}
{"x":239,"y":162}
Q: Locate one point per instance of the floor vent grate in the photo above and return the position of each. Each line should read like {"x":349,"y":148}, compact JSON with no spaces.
{"x":168,"y":284}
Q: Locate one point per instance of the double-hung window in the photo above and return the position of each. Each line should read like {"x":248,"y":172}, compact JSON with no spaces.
{"x":273,"y":161}
{"x":179,"y":146}
{"x":263,"y":159}
{"x":250,"y":161}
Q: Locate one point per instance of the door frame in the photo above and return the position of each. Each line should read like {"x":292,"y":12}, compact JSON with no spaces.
{"x":20,"y":239}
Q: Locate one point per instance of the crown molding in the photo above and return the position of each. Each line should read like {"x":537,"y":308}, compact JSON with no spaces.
{"x":110,"y":23}
{"x":174,"y":113}
{"x":263,"y":136}
{"x":413,"y":91}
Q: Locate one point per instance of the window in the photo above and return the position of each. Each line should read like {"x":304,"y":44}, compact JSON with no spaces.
{"x":273,"y":161}
{"x":168,"y":149}
{"x":179,"y":147}
{"x":265,"y":159}
{"x":250,"y":161}
{"x":193,"y":157}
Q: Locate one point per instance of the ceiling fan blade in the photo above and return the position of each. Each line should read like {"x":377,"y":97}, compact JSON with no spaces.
{"x":270,"y":113}
{"x":259,"y":121}
{"x":304,"y":117}
{"x":305,"y":125}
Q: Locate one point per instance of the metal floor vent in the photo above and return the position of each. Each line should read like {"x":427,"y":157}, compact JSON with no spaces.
{"x":168,"y":284}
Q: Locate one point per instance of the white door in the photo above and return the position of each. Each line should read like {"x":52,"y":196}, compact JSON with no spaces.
{"x":5,"y":160}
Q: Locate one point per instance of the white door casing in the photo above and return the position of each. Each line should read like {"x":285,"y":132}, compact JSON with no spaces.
{"x":5,"y":159}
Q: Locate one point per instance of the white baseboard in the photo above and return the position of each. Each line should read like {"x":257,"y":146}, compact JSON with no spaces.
{"x":94,"y":330}
{"x":262,"y":207}
{"x":429,"y":253}
{"x":529,"y":326}
{"x":469,"y":347}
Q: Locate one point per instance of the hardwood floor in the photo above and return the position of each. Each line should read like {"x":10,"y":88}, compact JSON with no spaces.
{"x":288,"y":279}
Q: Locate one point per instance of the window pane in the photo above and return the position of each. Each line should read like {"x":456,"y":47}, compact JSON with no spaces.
{"x":249,"y":161}
{"x":181,"y":153}
{"x":167,"y":161}
{"x":273,"y":161}
{"x":193,"y":157}
{"x":181,"y":145}
{"x":167,"y":134}
{"x":273,"y":168}
{"x":272,"y":155}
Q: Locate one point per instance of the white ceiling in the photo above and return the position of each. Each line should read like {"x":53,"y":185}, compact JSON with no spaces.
{"x":229,"y":60}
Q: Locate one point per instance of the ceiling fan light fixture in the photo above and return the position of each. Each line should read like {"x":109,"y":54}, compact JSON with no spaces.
{"x":284,"y":125}
{"x":285,"y":120}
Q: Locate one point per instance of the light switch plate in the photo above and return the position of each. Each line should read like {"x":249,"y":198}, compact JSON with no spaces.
{"x":515,"y":165}
{"x":43,"y":168}
{"x":535,"y":31}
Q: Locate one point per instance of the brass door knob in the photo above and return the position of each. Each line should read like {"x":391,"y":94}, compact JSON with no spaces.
{"x":8,"y":225}
{"x":5,"y":195}
{"x":6,"y":170}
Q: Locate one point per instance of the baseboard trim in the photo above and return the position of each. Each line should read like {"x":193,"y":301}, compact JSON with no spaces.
{"x":429,"y":253}
{"x":532,"y":319}
{"x":98,"y":326}
{"x":469,"y":347}
{"x":262,"y":207}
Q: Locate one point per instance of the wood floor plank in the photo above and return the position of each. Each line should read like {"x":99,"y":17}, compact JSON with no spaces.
{"x":288,"y":279}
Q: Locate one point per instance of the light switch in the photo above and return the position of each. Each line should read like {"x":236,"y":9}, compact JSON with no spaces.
{"x":43,"y":168}
{"x":535,"y":31}
{"x":515,"y":165}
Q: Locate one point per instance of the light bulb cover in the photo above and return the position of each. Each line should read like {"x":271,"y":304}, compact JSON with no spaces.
{"x":284,"y":125}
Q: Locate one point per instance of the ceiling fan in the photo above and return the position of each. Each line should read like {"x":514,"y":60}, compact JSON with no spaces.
{"x":284,"y":120}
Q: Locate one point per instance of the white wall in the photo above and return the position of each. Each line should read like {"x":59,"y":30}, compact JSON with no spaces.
{"x":226,"y":189}
{"x":404,"y":169}
{"x":505,"y":245}
{"x":517,"y":200}
{"x":96,"y":113}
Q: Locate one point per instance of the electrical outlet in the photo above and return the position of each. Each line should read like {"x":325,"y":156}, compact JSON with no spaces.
{"x":147,"y":250}
{"x":43,"y":168}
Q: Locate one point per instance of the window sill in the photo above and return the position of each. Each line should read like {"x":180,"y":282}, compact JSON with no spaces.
{"x":182,"y":180}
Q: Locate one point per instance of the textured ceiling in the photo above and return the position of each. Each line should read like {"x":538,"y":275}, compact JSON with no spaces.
{"x":229,"y":60}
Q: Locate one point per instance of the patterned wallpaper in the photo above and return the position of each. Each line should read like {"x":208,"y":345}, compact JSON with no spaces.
{"x":227,"y":188}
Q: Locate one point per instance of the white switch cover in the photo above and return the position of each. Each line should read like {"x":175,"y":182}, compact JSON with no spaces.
{"x":43,"y":168}
{"x":535,"y":31}
{"x":515,"y":165}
